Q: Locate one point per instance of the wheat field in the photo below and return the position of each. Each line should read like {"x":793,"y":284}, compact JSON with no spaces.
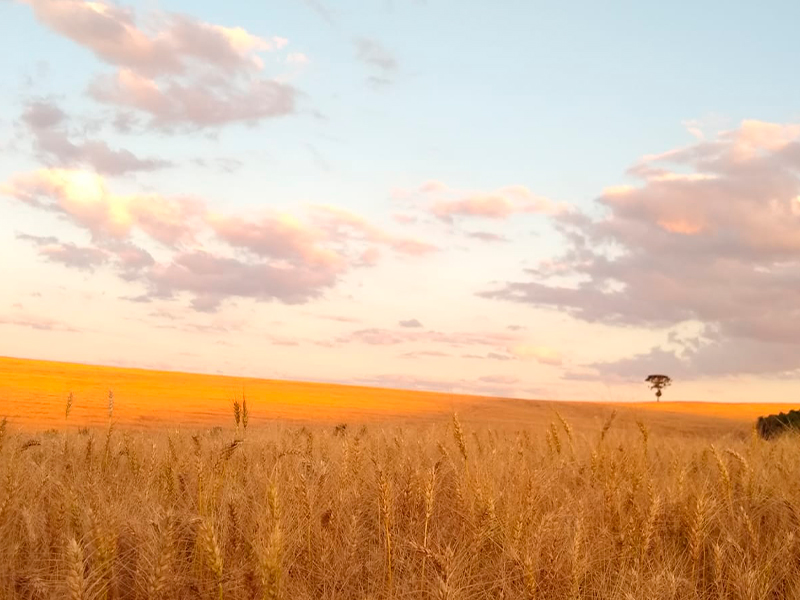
{"x":440,"y":510}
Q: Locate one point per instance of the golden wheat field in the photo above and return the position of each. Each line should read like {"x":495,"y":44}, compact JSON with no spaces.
{"x":418,"y":496}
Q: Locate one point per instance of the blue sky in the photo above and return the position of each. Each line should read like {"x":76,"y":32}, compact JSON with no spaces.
{"x":386,"y":97}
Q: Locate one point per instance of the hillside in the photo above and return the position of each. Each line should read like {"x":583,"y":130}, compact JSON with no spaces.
{"x":33,"y":394}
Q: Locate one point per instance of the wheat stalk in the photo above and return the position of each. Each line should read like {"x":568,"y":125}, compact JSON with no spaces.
{"x":245,"y":412}
{"x":697,"y":529}
{"x":461,"y":440}
{"x":212,"y":553}
{"x":430,"y":489}
{"x":270,"y":565}
{"x":164,"y":556}
{"x":3,"y":432}
{"x":385,"y":503}
{"x":76,"y":585}
{"x":237,"y":412}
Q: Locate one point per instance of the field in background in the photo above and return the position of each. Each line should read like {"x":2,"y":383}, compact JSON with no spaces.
{"x":33,"y":395}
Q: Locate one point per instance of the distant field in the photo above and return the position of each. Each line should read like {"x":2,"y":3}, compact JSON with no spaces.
{"x":33,"y":394}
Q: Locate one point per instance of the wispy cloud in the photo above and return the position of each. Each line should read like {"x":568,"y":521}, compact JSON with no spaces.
{"x":498,"y":205}
{"x":48,"y":126}
{"x":36,"y":322}
{"x":67,"y":253}
{"x":410,"y":323}
{"x":378,"y":58}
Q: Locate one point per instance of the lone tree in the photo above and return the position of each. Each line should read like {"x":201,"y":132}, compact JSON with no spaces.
{"x":658,"y":383}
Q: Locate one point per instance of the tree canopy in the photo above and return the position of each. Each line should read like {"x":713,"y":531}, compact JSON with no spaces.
{"x":658,"y":382}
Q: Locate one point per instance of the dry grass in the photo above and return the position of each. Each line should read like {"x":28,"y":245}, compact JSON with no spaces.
{"x":448,"y":510}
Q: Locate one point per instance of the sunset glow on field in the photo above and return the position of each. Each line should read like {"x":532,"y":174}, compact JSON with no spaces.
{"x":34,"y":395}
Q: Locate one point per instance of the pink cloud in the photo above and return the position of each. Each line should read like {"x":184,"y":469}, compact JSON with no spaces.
{"x":210,"y":279}
{"x":344,"y":225}
{"x":200,"y":104}
{"x":448,"y":204}
{"x":404,"y":219}
{"x":181,"y":72}
{"x":425,"y":354}
{"x":499,"y":379}
{"x":432,"y":186}
{"x":709,"y":236}
{"x":462,"y":385}
{"x":487,"y":236}
{"x":85,"y":198}
{"x":54,"y":144}
{"x":112,"y":34}
{"x":36,"y":322}
{"x":209,"y":256}
{"x":67,"y":253}
{"x":410,"y":335}
{"x":498,"y":205}
{"x":279,"y":236}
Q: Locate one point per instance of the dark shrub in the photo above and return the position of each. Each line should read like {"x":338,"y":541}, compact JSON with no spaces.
{"x":774,"y":425}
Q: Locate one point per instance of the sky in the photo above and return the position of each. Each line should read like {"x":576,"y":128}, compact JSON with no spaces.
{"x":518,"y":198}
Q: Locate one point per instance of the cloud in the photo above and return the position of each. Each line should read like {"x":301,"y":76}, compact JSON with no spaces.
{"x":498,"y":205}
{"x":211,"y":279}
{"x":498,"y":356}
{"x":708,"y":236}
{"x":84,"y":198}
{"x":321,"y":9}
{"x":224,"y":164}
{"x":47,"y":124}
{"x":279,"y":236}
{"x":41,"y":115}
{"x":499,"y":379}
{"x":208,"y":255}
{"x":459,"y":386}
{"x":490,"y":356}
{"x":174,"y":104}
{"x":131,"y":259}
{"x":486,"y":236}
{"x":708,"y":355}
{"x":411,"y":323}
{"x":181,"y":72}
{"x":343,"y":225}
{"x":373,"y":53}
{"x":390,"y":337}
{"x":67,"y":253}
{"x":432,"y":186}
{"x":337,"y":318}
{"x":542,"y":354}
{"x":425,"y":354}
{"x":36,"y":322}
{"x":404,"y":218}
